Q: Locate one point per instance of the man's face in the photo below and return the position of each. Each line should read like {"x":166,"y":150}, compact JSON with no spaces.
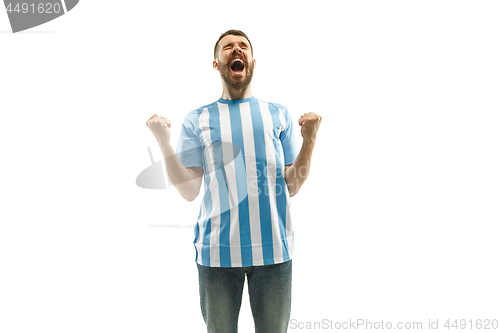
{"x":234,"y":61}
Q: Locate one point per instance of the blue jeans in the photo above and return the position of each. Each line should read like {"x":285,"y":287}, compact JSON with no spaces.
{"x":269,"y":291}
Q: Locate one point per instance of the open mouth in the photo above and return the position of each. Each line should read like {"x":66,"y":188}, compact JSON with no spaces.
{"x":237,"y":66}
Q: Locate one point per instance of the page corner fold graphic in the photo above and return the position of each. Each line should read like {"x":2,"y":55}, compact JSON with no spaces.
{"x":26,"y":14}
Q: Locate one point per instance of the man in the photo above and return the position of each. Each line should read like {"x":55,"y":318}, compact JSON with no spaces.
{"x":245,"y":151}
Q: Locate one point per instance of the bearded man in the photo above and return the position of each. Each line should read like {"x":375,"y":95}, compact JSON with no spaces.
{"x":244,"y":150}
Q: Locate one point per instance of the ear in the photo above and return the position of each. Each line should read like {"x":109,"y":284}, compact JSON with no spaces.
{"x":215,"y":65}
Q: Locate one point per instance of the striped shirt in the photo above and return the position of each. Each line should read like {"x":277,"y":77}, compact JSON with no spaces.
{"x":243,"y":146}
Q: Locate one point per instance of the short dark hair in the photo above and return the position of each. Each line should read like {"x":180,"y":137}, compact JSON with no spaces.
{"x":235,"y":33}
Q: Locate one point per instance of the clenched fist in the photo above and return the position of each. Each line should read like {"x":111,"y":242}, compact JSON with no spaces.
{"x":160,"y":126}
{"x":309,"y":123}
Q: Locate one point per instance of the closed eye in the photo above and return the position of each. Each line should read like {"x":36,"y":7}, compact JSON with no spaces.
{"x":243,"y":45}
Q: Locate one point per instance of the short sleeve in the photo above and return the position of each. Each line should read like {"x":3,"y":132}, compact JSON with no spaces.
{"x":189,"y":149}
{"x":286,"y":136}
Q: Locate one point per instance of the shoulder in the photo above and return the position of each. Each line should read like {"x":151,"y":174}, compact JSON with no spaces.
{"x":279,"y":106}
{"x":194,"y":114}
{"x":276,"y":106}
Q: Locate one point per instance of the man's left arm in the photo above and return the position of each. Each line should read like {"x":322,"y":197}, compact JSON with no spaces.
{"x":296,"y":173}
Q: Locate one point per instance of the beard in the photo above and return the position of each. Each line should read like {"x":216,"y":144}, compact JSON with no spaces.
{"x":237,"y":85}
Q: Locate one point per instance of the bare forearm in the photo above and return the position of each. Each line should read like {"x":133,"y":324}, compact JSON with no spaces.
{"x":182,"y":179}
{"x":297,"y":173}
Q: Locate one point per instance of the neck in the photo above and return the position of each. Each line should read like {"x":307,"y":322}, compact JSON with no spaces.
{"x":232,"y":94}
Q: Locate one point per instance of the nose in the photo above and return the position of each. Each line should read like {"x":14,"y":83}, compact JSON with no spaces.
{"x":237,"y":50}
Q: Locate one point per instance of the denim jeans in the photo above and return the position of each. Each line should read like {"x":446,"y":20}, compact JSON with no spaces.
{"x":269,"y":291}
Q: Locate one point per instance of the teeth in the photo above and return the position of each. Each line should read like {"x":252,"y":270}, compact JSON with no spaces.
{"x":237,"y":59}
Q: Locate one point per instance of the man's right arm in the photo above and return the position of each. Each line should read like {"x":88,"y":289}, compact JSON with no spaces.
{"x":186,"y":180}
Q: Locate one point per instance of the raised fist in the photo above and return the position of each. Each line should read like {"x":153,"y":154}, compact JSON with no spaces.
{"x":309,"y":123}
{"x":160,"y":127}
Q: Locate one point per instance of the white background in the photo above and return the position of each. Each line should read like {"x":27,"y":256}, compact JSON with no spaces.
{"x":398,"y":220}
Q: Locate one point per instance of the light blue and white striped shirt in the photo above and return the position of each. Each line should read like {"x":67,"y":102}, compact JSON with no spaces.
{"x":243,"y":146}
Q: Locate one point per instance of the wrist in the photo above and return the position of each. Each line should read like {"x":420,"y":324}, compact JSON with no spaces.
{"x":310,"y":142}
{"x":166,"y":148}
